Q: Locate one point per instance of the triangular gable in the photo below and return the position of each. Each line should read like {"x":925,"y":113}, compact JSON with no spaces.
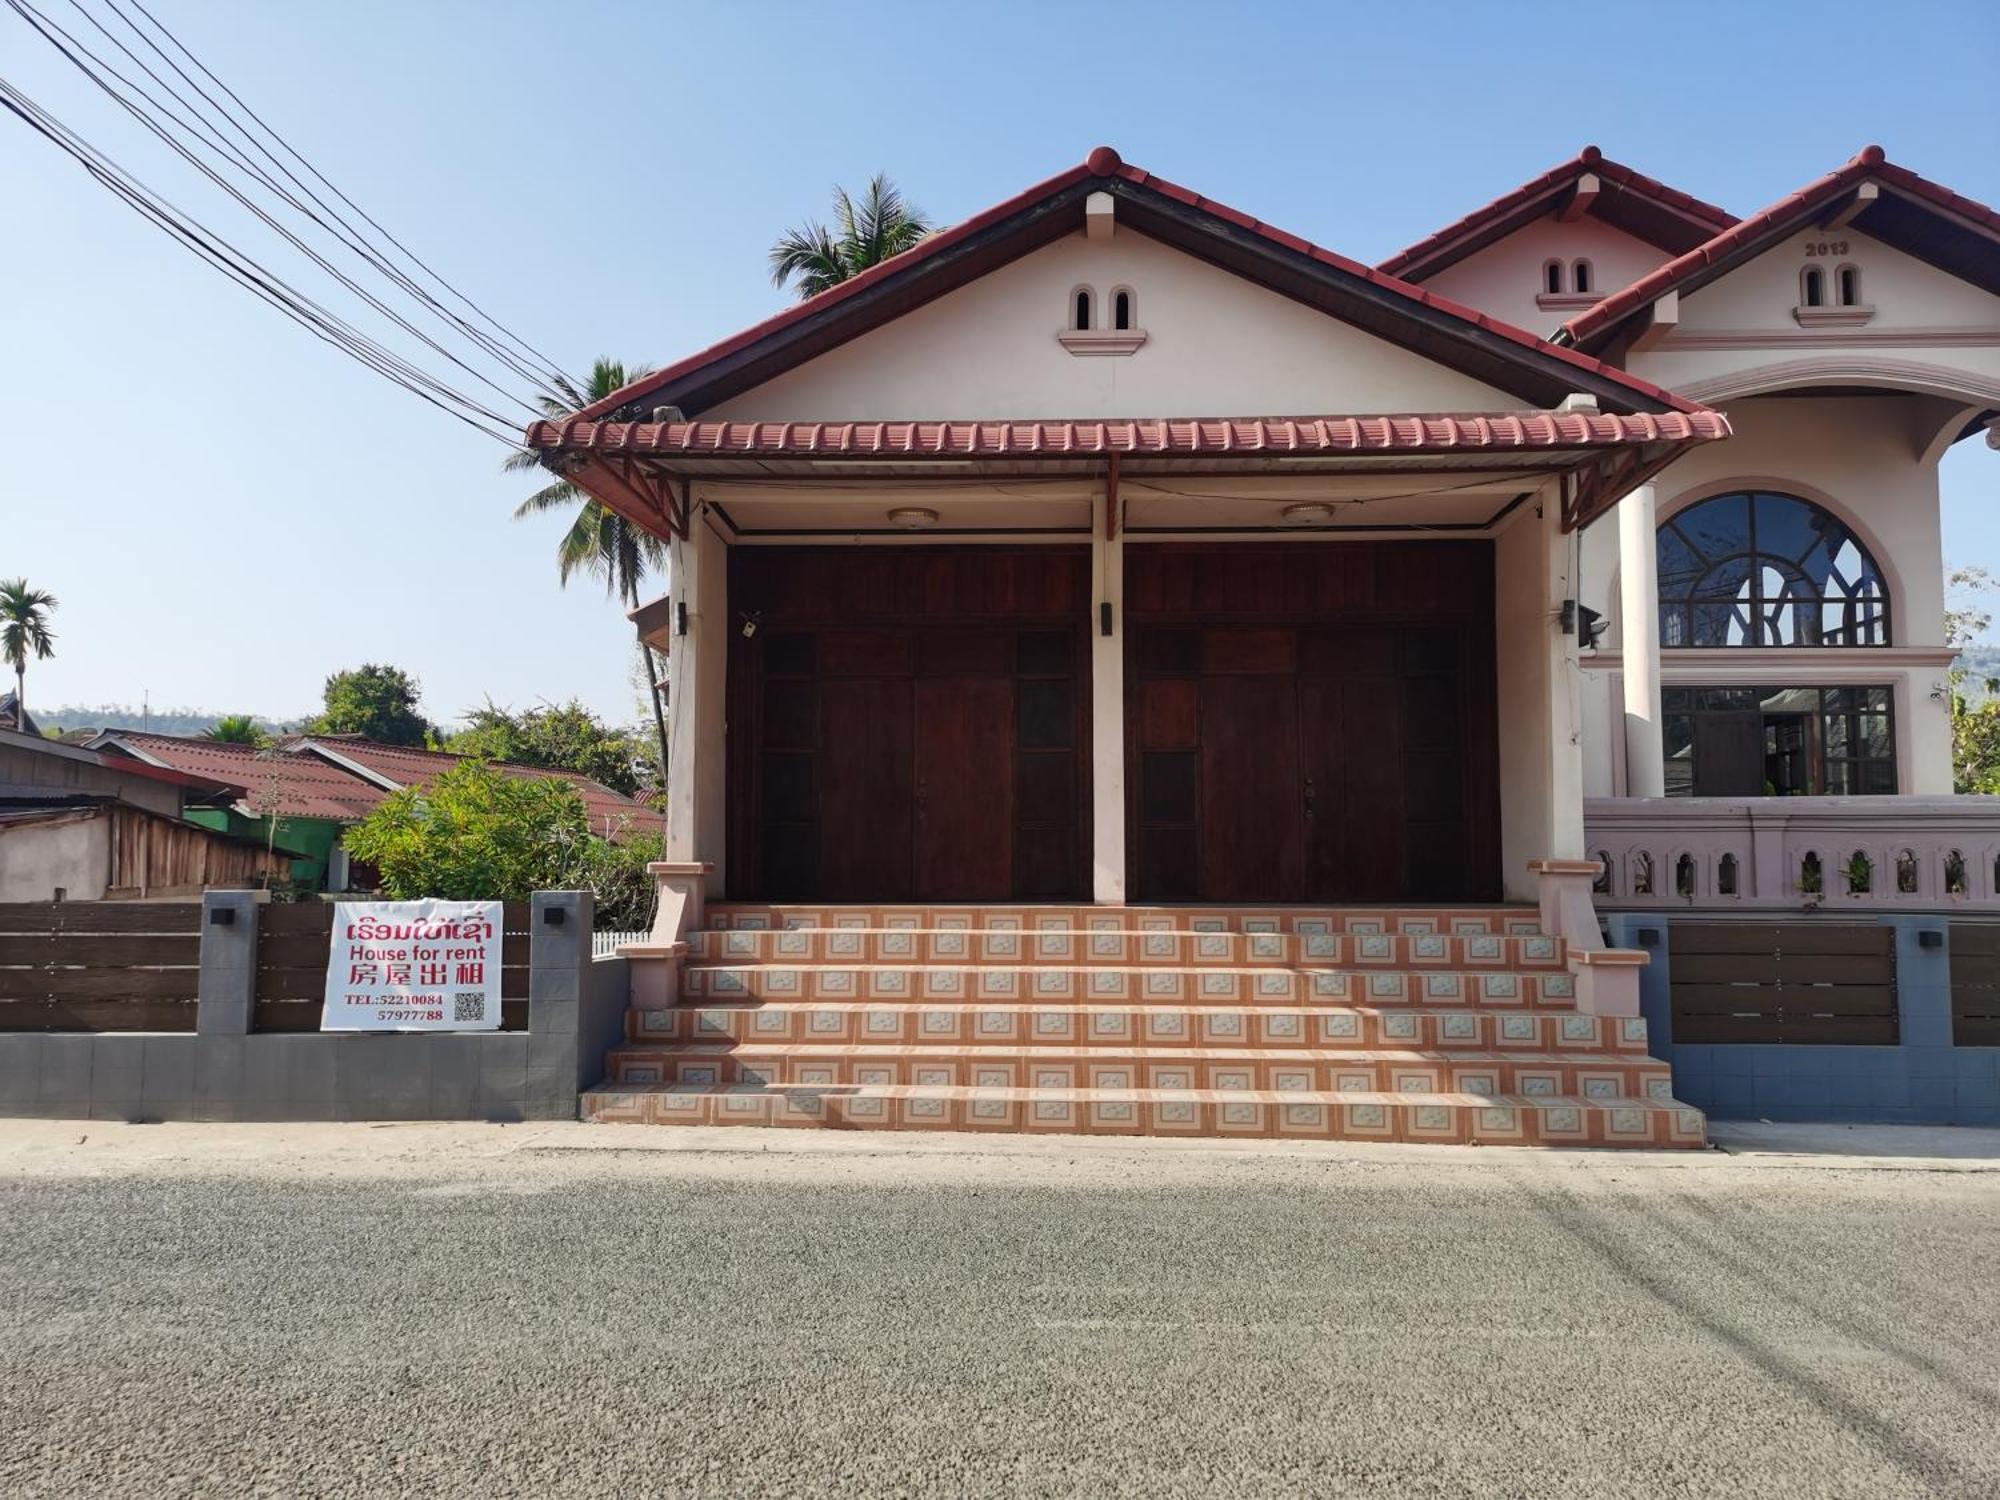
{"x":1868,"y":193}
{"x":1482,"y":347}
{"x":1589,"y":183}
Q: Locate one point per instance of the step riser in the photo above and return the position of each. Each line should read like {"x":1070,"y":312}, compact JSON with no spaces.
{"x":1105,"y":986}
{"x":1178,"y":949}
{"x":858,"y":1023}
{"x":1588,"y":1080}
{"x":1391,"y":1121}
{"x":1504,"y":920}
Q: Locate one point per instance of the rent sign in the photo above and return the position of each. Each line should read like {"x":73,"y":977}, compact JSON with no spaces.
{"x":414,"y":966}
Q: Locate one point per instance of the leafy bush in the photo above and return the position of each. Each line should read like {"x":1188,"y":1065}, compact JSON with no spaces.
{"x":561,"y":737}
{"x":478,"y":834}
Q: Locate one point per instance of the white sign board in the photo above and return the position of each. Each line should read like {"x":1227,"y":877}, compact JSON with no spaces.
{"x":414,"y":966}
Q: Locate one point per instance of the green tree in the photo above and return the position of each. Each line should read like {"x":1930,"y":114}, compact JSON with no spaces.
{"x":477,"y":834}
{"x":813,"y":257}
{"x":236,"y":729}
{"x":24,"y":632}
{"x":1975,"y":719}
{"x":600,"y":543}
{"x":562,"y":737}
{"x":374,"y":701}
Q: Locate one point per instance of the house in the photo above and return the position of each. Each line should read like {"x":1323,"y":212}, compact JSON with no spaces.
{"x":302,"y":792}
{"x":79,"y":825}
{"x":1117,"y":549}
{"x":14,"y":717}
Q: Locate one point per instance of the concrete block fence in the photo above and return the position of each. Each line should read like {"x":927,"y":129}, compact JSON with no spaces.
{"x":1923,"y":1080}
{"x":224,"y":1071}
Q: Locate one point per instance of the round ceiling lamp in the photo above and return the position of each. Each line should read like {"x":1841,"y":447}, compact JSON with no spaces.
{"x":913,"y":518}
{"x":1310,"y":514}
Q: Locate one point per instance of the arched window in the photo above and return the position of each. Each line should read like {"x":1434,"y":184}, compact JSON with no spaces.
{"x":1767,"y":570}
{"x":1552,"y":278}
{"x":1848,"y":278}
{"x":1579,"y":276}
{"x":1121,"y":309}
{"x":1725,"y":876}
{"x":1812,"y":287}
{"x":1080,"y":310}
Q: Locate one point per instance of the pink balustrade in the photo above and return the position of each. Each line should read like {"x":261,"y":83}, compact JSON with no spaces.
{"x":1793,"y":853}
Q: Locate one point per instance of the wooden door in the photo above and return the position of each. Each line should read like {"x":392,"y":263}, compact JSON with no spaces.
{"x":1311,"y":724}
{"x":964,"y":789}
{"x":909,"y":725}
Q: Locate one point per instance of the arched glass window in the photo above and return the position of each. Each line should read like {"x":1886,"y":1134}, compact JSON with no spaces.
{"x":1080,"y":311}
{"x":1850,"y":286}
{"x":1552,"y":277}
{"x":1580,"y":276}
{"x":1767,"y":570}
{"x":1812,"y":287}
{"x":1121,"y":309}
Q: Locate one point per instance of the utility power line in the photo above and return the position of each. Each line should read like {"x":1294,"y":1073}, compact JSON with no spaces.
{"x":214,"y":139}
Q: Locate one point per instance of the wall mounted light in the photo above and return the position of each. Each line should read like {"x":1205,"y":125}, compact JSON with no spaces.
{"x":1310,"y":514}
{"x":913,"y":518}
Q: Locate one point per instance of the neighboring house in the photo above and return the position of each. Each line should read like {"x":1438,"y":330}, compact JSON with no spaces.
{"x":12,"y":717}
{"x":612,"y":814}
{"x":300,"y":794}
{"x":80,"y":825}
{"x":297,"y":805}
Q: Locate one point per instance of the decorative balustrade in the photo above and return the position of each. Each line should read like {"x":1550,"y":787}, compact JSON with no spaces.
{"x":1793,"y":853}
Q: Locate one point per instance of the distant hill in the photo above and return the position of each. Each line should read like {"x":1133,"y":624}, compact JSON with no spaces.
{"x":1980,"y":663}
{"x":123,"y":716}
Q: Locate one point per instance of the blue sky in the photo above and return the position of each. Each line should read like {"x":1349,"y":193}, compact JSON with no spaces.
{"x":229,"y":510}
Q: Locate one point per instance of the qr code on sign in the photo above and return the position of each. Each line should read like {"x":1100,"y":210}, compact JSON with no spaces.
{"x":468,"y":1005}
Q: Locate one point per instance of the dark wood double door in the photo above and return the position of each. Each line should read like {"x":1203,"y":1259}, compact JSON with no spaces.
{"x":1311,"y":723}
{"x":909,"y":724}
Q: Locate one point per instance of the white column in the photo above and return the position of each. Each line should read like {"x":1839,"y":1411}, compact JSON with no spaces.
{"x":1107,"y":712}
{"x":698,"y":673}
{"x":1639,"y":643}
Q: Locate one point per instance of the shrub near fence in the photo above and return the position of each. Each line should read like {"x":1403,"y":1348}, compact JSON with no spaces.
{"x":293,"y":941}
{"x":99,"y":965}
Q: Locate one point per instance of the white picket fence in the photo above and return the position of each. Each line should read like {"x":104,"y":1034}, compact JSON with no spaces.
{"x":606,"y":943}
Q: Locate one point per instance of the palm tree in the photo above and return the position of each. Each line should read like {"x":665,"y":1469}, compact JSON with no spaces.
{"x":24,"y":628}
{"x":236,"y":729}
{"x":882,"y":224}
{"x":600,"y":543}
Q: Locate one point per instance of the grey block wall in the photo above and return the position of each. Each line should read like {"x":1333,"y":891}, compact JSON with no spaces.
{"x":1924,"y":1080}
{"x":576,"y":1012}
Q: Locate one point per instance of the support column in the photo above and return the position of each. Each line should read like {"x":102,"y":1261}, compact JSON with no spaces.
{"x":1639,"y":643}
{"x":1107,"y":698}
{"x":698,"y":675}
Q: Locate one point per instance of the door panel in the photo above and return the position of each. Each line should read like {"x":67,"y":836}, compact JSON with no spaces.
{"x":1312,"y":723}
{"x":1250,"y":799}
{"x":867,"y":792}
{"x":964,"y":788}
{"x":909,"y":724}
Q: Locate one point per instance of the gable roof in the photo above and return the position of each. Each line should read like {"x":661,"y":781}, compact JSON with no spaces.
{"x":393,"y":767}
{"x":1475,"y":343}
{"x":1919,"y":217}
{"x":1639,"y":205}
{"x":299,"y":788}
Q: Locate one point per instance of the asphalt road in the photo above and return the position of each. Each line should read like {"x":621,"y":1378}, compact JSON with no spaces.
{"x":447,"y":1312}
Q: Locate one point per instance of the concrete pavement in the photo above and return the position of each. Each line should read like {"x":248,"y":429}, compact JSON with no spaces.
{"x":566,"y":1310}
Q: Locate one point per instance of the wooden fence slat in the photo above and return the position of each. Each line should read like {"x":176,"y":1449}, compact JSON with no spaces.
{"x":99,"y":984}
{"x":108,"y":950}
{"x":97,"y":1015}
{"x":1837,"y":968}
{"x":292,"y":950}
{"x":1723,"y":968}
{"x":294,"y":918}
{"x":1788,"y":939}
{"x":41,"y":917}
{"x":1830,"y":999}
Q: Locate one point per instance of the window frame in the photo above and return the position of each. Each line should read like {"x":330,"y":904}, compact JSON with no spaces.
{"x":1868,"y":619}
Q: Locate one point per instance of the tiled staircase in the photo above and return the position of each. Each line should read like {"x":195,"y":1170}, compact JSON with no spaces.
{"x":1448,"y":1026}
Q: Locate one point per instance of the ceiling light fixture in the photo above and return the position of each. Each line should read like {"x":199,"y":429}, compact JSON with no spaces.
{"x":913,"y":518}
{"x":1310,"y":514}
